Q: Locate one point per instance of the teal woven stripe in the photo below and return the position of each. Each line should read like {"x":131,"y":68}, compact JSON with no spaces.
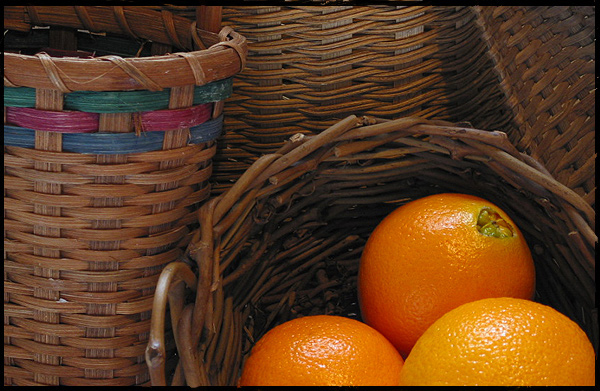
{"x":116,"y":101}
{"x":19,"y":97}
{"x":120,"y":101}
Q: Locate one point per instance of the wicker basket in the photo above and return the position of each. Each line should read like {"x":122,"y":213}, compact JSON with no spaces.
{"x":108,"y":146}
{"x":286,"y":239}
{"x":527,"y":70}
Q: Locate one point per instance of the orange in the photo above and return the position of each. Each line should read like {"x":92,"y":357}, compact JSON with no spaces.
{"x":322,"y":350}
{"x":502,"y":342}
{"x":432,"y":255}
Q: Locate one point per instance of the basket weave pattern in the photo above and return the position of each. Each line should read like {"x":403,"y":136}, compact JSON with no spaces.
{"x":312,"y":66}
{"x":106,"y":159}
{"x":285,"y":239}
{"x":545,"y":58}
{"x":526,"y":70}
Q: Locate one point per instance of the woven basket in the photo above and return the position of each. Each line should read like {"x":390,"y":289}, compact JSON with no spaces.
{"x":285,"y":240}
{"x":108,"y":146}
{"x":527,"y":70}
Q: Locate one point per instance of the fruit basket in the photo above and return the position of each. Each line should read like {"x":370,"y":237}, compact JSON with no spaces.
{"x":285,"y":240}
{"x":492,"y":101}
{"x":111,"y":116}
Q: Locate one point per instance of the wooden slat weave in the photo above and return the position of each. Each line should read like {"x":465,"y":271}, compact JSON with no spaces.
{"x":312,"y":66}
{"x":526,"y":70}
{"x":545,"y":57}
{"x":88,"y":230}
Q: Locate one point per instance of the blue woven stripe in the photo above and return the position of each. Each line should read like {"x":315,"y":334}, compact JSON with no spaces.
{"x":113,"y":143}
{"x":120,"y":101}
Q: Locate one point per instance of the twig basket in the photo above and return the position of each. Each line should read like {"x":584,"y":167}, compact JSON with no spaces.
{"x":285,"y":240}
{"x":110,"y":121}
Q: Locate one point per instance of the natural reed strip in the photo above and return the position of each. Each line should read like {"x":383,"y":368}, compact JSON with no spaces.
{"x":48,"y":100}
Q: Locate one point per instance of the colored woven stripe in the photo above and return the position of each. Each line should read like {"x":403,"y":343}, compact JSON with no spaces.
{"x":175,"y":119}
{"x":113,"y":143}
{"x":120,"y":101}
{"x":20,"y":97}
{"x":82,"y":122}
{"x":53,"y":121}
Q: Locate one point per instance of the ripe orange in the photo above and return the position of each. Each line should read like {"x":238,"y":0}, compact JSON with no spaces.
{"x":322,"y":350}
{"x":432,"y":255}
{"x":502,"y":342}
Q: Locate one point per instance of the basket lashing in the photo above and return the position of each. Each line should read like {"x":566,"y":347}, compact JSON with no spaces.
{"x":285,"y":239}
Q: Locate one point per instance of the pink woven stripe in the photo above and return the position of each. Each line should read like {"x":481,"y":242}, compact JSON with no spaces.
{"x":53,"y":121}
{"x":83,"y":122}
{"x":159,"y":120}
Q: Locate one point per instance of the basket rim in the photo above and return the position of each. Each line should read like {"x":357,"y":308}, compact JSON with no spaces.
{"x":353,"y":127}
{"x":303,"y":154}
{"x":109,"y":73}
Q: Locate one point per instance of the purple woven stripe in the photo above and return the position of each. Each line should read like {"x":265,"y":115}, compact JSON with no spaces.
{"x":83,"y":122}
{"x":53,"y":121}
{"x":160,"y":120}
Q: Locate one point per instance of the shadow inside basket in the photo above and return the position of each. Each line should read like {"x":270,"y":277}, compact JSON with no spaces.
{"x":285,"y":241}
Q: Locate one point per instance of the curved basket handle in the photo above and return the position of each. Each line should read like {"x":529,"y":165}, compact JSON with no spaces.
{"x":169,"y":287}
